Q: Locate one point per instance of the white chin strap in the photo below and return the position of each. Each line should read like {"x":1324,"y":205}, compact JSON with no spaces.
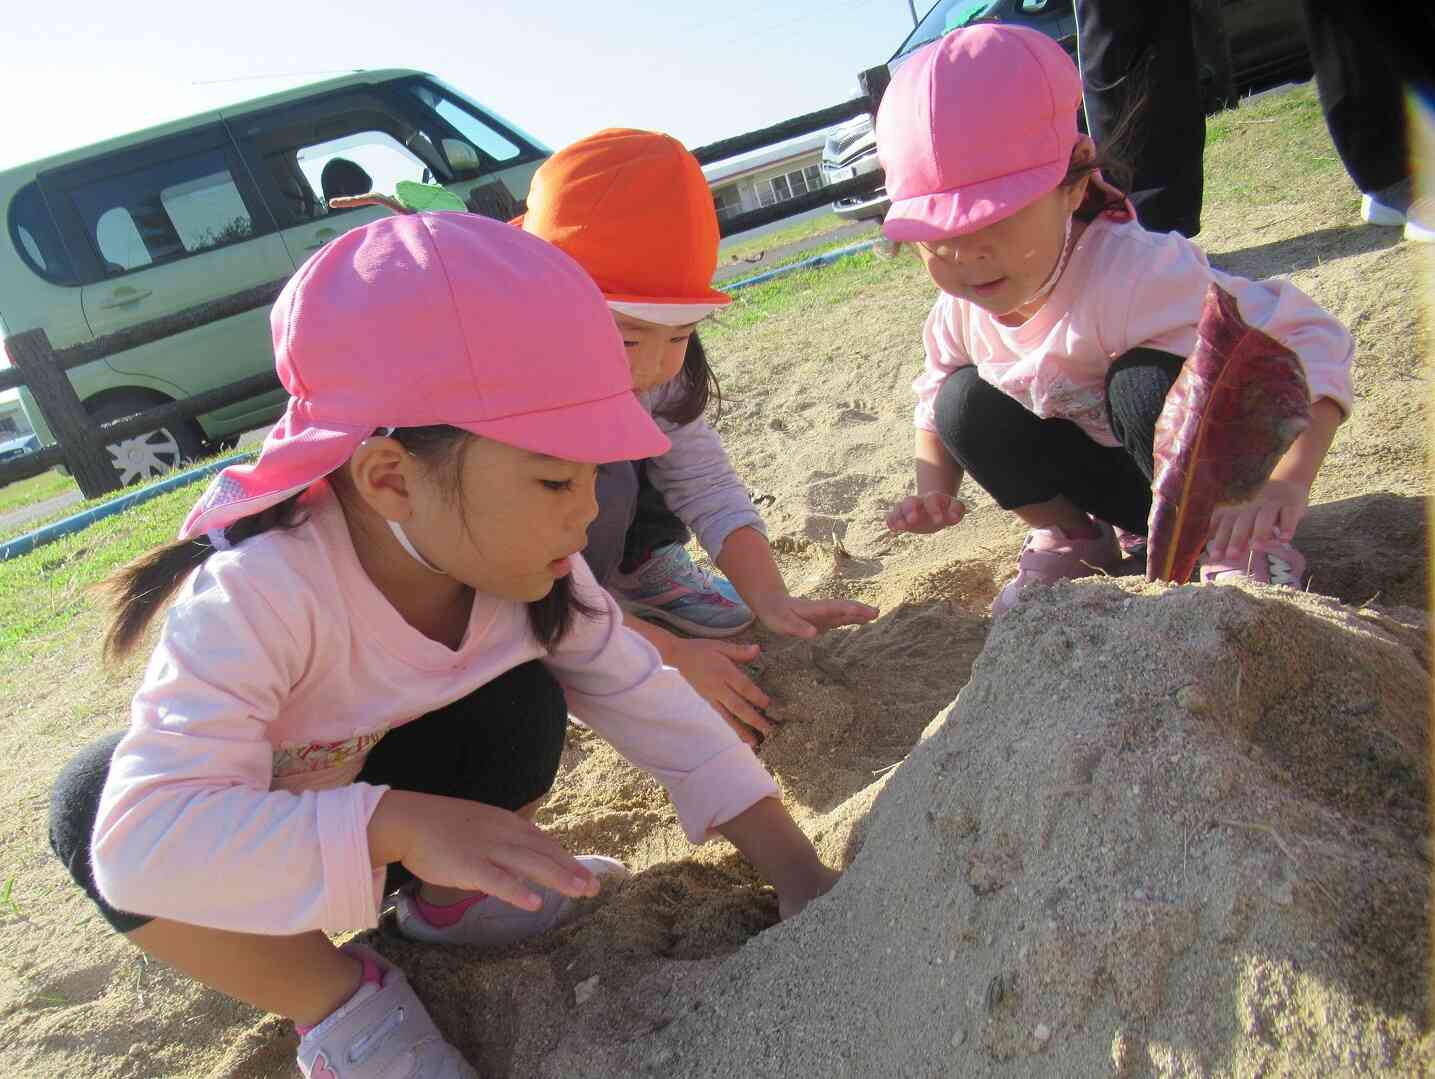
{"x":399,"y":534}
{"x":1050,"y":282}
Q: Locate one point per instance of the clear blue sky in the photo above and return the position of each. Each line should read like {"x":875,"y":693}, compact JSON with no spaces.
{"x":88,"y":70}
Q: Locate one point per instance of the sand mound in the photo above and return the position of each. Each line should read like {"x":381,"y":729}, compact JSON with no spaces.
{"x":1161,"y":832}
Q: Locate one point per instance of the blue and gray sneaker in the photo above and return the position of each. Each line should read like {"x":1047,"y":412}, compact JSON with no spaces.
{"x":669,"y":588}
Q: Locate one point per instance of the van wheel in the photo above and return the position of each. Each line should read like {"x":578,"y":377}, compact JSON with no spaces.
{"x":145,"y":456}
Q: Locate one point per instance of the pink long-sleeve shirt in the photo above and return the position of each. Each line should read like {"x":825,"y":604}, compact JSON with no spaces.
{"x":1123,"y":288}
{"x":231,"y":801}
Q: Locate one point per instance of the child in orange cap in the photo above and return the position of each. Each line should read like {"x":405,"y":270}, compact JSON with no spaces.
{"x":634,"y":209}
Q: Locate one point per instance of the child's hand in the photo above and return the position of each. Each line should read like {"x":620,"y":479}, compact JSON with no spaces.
{"x":711,"y":668}
{"x":806,"y":618}
{"x":925,"y":513}
{"x":455,"y":843}
{"x":1272,"y":515}
{"x":793,"y":898}
{"x":777,"y":849}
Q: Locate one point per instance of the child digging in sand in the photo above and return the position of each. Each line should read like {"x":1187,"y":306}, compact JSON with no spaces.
{"x":633,"y":208}
{"x":1062,"y":324}
{"x":374,"y":635}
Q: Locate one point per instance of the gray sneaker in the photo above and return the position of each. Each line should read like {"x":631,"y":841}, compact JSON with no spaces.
{"x":669,"y":588}
{"x":381,"y":1032}
{"x":491,"y":922}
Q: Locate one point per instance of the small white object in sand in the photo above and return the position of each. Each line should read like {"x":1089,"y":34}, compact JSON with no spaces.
{"x":584,"y":990}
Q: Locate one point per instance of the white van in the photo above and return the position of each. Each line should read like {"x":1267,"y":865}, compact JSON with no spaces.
{"x":219,"y":205}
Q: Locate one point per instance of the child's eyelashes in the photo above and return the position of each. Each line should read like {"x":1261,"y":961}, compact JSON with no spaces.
{"x":557,"y":485}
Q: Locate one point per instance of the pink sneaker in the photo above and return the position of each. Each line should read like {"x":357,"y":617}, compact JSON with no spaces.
{"x":1049,"y":556}
{"x":488,"y":921}
{"x":1276,"y":563}
{"x":380,"y":1032}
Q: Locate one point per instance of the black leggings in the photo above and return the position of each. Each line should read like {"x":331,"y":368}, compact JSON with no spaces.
{"x":499,"y":745}
{"x":1021,"y":459}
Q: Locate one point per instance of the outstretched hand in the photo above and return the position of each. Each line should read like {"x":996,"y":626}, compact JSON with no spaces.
{"x":457,"y":843}
{"x":1271,"y":516}
{"x":925,"y":513}
{"x":806,"y":618}
{"x":712,"y":668}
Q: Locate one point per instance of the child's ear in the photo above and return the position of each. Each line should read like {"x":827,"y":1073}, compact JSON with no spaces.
{"x":382,"y":475}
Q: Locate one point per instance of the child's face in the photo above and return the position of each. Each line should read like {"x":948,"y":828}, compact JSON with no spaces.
{"x":655,"y":352}
{"x":510,"y":525}
{"x":999,"y":268}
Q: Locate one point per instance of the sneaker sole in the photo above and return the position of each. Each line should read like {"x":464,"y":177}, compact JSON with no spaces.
{"x":694,"y":629}
{"x":1374,"y":213}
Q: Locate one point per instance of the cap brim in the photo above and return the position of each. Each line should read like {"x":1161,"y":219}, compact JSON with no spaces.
{"x":299,"y":452}
{"x":966,"y":209}
{"x":712,"y":296}
{"x":616,"y":428}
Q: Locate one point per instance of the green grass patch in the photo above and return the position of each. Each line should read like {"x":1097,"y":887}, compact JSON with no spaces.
{"x":1265,"y":151}
{"x":11,"y":531}
{"x":799,"y":256}
{"x":36,"y":489}
{"x":42,"y":591}
{"x":834,"y":283}
{"x":802,"y":230}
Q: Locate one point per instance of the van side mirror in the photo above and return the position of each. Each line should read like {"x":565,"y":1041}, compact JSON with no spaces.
{"x":462,"y":157}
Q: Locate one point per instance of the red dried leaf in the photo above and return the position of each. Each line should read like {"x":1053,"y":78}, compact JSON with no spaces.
{"x":1240,"y":401}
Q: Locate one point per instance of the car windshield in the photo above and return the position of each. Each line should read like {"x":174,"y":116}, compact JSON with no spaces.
{"x":946,"y":16}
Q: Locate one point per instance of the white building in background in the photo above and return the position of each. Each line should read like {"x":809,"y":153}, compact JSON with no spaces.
{"x":13,"y":421}
{"x":768,"y":176}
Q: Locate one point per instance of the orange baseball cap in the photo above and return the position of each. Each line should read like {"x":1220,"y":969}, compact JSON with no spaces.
{"x":633,"y":209}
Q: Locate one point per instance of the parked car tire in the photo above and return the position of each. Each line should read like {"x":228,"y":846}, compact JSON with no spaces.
{"x":143,"y":457}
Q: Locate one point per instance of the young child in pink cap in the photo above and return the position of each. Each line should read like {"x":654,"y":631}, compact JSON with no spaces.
{"x":374,"y":636}
{"x":634,"y":210}
{"x":1062,"y":324}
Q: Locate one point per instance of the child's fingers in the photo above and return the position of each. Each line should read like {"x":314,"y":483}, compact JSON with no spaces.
{"x":745,"y":689}
{"x":739,"y":653}
{"x":502,"y":884}
{"x":746,"y":714}
{"x":1239,"y":541}
{"x":739,"y":728}
{"x":1264,"y":528}
{"x":789,"y":622}
{"x":1288,"y":521}
{"x":1220,"y":535}
{"x":528,"y":862}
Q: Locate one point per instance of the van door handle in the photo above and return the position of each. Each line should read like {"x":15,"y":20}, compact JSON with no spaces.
{"x":124,"y":296}
{"x":322,"y":237}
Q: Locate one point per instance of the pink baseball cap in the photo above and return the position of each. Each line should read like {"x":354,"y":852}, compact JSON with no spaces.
{"x":437,"y":318}
{"x":975,"y":127}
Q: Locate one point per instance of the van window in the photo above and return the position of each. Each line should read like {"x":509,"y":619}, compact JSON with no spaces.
{"x":354,"y":165}
{"x":33,"y":232}
{"x":179,"y":207}
{"x":344,"y":145}
{"x":473,"y":129}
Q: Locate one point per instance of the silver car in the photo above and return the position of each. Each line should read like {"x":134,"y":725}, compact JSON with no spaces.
{"x":1264,"y":44}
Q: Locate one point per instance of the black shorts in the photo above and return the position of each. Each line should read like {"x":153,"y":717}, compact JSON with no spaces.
{"x":499,"y":745}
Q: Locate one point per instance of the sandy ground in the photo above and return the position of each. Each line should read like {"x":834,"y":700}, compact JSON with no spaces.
{"x":1161,"y":833}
